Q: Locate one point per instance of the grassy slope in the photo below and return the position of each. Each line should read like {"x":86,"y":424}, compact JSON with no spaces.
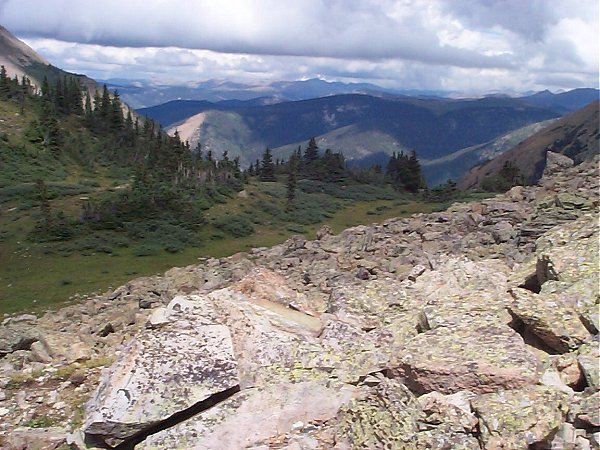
{"x":35,"y":276}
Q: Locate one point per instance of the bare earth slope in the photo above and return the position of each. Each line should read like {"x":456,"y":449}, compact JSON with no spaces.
{"x":19,"y":59}
{"x":15,"y":55}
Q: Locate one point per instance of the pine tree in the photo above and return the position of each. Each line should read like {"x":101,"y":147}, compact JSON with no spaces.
{"x":4,"y":83}
{"x":105,"y":108}
{"x":291,"y":181}
{"x":267,"y":168}
{"x":88,"y":108}
{"x":413,"y":178}
{"x":75,"y":98}
{"x":311,"y":154}
{"x":116,"y":113}
{"x":198,"y":151}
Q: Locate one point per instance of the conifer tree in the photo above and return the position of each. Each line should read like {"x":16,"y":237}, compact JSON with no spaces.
{"x":4,"y":83}
{"x":413,"y":179}
{"x":198,"y":151}
{"x":75,"y":98}
{"x":267,"y":168}
{"x":292,"y":181}
{"x":116,"y":113}
{"x":311,"y":154}
{"x":105,"y":109}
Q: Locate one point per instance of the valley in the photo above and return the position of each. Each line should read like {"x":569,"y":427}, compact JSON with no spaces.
{"x":107,"y":202}
{"x":36,"y":276}
{"x":299,"y":226}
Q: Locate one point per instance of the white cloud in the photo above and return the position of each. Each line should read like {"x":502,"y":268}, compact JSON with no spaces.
{"x":475,"y":44}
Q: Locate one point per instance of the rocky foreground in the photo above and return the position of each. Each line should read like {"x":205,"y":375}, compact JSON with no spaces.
{"x":472,"y":328}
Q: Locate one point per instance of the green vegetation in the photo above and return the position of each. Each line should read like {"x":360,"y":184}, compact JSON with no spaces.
{"x":509,"y":176}
{"x":92,"y":196}
{"x":41,"y":422}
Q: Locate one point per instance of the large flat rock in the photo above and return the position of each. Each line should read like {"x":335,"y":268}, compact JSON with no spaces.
{"x":253,"y":416}
{"x":158,"y":374}
{"x":480,"y":360}
{"x":557,"y":325}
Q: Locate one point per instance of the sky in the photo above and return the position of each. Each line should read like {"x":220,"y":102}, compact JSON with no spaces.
{"x":451,"y":45}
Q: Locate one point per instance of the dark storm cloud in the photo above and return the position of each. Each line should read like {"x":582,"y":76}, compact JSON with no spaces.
{"x":528,"y":18}
{"x":450,"y":44}
{"x":312,"y":28}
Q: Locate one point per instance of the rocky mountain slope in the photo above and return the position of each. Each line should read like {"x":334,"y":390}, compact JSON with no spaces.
{"x":16,"y":56}
{"x":455,"y":165}
{"x":472,"y":328}
{"x":19,"y":59}
{"x":576,"y":135}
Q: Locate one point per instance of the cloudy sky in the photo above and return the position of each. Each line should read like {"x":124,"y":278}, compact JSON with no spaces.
{"x":457,"y":45}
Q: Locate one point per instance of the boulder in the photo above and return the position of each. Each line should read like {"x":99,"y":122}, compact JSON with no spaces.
{"x":158,"y":374}
{"x":39,"y":353}
{"x":557,"y":325}
{"x":520,"y":418}
{"x":453,"y":359}
{"x":390,"y":416}
{"x":263,"y":285}
{"x":385,"y":417}
{"x":17,"y":335}
{"x":585,"y":412}
{"x":254,"y":416}
{"x":460,"y":292}
{"x":373,"y":304}
{"x":556,"y":163}
{"x":35,"y":438}
{"x":588,"y":356}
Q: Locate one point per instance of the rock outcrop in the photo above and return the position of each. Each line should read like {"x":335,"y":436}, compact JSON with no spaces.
{"x":472,"y":328}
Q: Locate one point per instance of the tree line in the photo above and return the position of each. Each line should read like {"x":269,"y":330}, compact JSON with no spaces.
{"x":403,"y":172}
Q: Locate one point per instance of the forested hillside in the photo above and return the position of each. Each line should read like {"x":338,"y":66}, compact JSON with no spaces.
{"x":359,"y":126}
{"x":88,"y":181}
{"x":575,"y":135}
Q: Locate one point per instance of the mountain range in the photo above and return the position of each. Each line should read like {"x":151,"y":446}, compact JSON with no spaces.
{"x":142,"y":93}
{"x":364,"y":126}
{"x":365,"y":122}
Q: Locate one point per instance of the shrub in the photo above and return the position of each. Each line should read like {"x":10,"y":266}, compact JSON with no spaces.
{"x":145,"y":250}
{"x":296,"y":228}
{"x":235,"y":225}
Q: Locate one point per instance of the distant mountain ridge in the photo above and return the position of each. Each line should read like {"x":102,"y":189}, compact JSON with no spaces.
{"x":362,"y":125}
{"x":569,"y":101}
{"x":143,"y":94}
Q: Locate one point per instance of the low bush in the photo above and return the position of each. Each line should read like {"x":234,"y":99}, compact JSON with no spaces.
{"x":145,"y":250}
{"x":236,"y":225}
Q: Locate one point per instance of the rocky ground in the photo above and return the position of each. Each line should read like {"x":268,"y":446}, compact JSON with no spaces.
{"x":472,"y":328}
